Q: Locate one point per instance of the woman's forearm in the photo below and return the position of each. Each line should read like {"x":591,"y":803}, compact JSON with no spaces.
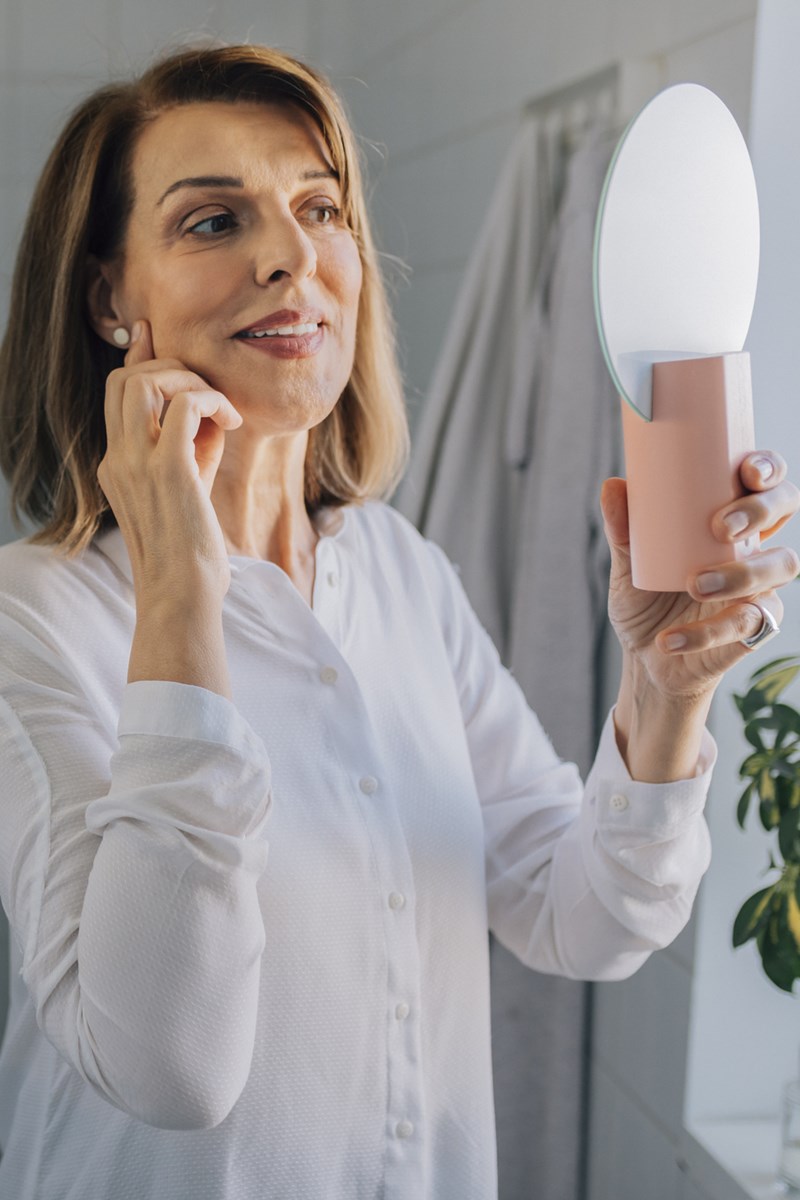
{"x":179,"y":638}
{"x":659,"y":737}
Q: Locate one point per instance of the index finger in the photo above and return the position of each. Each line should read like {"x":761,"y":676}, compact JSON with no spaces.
{"x":141,"y":347}
{"x":139,"y":350}
{"x":761,"y":470}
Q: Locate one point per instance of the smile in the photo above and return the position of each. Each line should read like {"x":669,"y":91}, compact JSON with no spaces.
{"x":285,"y":341}
{"x":282,"y":331}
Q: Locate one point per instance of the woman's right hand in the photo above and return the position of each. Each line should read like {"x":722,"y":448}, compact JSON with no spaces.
{"x":166,"y":434}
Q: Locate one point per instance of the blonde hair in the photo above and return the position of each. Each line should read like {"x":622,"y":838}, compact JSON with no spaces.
{"x":53,"y":366}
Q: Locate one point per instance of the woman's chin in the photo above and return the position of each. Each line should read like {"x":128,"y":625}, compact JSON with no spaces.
{"x":282,"y":414}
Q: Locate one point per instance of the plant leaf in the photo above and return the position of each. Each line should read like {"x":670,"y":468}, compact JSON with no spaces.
{"x":768,"y":668}
{"x":788,"y":717}
{"x":793,"y":918}
{"x":781,"y":973}
{"x":779,"y":957}
{"x":788,"y":840}
{"x":753,"y":764}
{"x":768,"y":809}
{"x":785,"y":786}
{"x":751,"y":703}
{"x":744,"y":804}
{"x":780,"y":717}
{"x":772,"y":685}
{"x":752,"y":917}
{"x":751,"y":732}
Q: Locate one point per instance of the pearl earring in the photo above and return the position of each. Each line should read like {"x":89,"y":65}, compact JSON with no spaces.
{"x":121,"y":336}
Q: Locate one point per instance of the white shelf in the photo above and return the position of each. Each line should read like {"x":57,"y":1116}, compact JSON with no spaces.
{"x":734,"y":1160}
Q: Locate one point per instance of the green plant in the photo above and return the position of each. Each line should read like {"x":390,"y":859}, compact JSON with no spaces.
{"x":772,"y":769}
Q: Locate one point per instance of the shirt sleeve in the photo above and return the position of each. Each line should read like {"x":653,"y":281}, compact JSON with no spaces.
{"x":584,"y":882}
{"x":129,"y":860}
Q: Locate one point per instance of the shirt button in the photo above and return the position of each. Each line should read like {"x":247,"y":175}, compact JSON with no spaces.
{"x":619,"y":802}
{"x":404,"y":1129}
{"x":396,"y":900}
{"x":402,"y":1011}
{"x":332,"y":579}
{"x":329,"y":675}
{"x":368,"y":785}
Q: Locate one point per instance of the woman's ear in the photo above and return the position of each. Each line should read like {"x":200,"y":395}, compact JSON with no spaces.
{"x":103,"y":309}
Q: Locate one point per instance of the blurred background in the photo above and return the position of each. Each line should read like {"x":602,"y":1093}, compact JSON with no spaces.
{"x":665,"y":1086}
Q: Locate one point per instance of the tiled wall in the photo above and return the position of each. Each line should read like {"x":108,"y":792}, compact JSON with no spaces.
{"x":436,"y":87}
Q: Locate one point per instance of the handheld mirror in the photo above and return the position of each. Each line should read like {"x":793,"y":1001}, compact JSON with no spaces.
{"x":675,"y":272}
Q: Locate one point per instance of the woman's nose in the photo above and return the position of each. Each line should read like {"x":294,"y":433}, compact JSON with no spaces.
{"x":285,"y":250}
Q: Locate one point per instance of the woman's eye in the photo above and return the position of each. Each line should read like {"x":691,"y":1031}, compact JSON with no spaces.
{"x":216,"y":223}
{"x":324,"y":214}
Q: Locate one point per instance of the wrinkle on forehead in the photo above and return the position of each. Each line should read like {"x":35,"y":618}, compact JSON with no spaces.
{"x":240,"y":140}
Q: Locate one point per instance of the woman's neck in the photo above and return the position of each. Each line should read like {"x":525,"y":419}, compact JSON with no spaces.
{"x":259,"y":498}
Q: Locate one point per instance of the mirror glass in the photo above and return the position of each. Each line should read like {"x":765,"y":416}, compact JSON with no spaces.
{"x":676,"y":241}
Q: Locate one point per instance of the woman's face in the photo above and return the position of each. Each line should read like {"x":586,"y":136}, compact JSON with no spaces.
{"x":236,"y":227}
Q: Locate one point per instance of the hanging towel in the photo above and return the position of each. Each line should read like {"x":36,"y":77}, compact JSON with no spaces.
{"x":520,"y":429}
{"x":456,"y":489}
{"x":558,"y":622}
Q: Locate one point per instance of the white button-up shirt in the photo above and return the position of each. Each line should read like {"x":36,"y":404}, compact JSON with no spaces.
{"x":249,"y":938}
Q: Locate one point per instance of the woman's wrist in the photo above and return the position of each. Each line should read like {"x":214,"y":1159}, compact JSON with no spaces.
{"x":191,"y":583}
{"x":659,"y":736}
{"x":181,"y":642}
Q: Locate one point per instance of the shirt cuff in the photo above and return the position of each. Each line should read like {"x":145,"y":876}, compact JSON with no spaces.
{"x":187,"y":760}
{"x":164,"y":708}
{"x":661,"y":808}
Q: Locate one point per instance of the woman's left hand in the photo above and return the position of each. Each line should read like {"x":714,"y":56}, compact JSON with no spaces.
{"x":712,"y":622}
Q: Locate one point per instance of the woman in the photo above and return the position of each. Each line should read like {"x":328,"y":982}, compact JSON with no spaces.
{"x":266,"y":783}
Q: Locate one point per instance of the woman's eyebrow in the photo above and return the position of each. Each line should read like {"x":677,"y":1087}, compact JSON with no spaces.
{"x":232,"y":181}
{"x":196,"y":181}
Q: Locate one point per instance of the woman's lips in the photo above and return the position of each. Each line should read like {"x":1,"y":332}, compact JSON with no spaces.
{"x":280,"y":345}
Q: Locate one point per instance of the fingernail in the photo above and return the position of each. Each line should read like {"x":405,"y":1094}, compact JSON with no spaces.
{"x":765,"y":468}
{"x":712,"y":581}
{"x":735,"y":522}
{"x":674,"y":641}
{"x":136,"y":332}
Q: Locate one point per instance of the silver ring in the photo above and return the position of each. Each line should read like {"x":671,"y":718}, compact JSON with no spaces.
{"x":769,"y":627}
